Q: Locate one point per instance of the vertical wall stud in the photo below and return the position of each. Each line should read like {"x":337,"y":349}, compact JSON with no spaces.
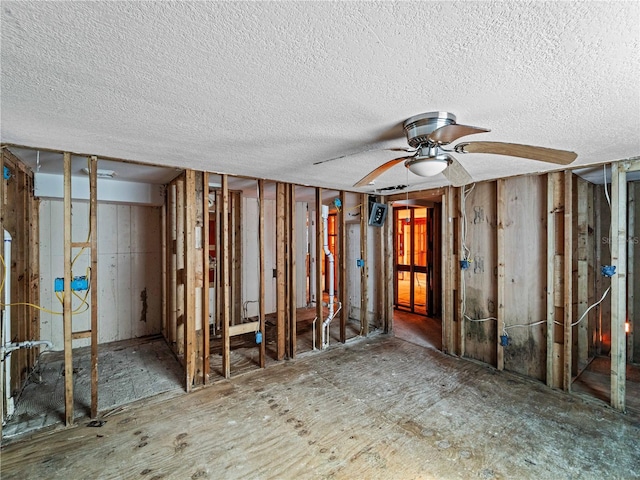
{"x":568,"y":278}
{"x":364,"y":279}
{"x":342,"y":268}
{"x":501,"y":212}
{"x":205,"y":278}
{"x":93,"y":227}
{"x":319,"y":262}
{"x":261,"y":271}
{"x":66,"y":307}
{"x":618,"y":284}
{"x":281,"y":303}
{"x":225,"y":279}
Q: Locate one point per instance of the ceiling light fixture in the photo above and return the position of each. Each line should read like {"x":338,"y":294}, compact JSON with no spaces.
{"x":101,"y":173}
{"x":428,"y":166}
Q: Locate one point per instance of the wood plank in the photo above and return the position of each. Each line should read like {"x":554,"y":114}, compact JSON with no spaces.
{"x":598,"y":255}
{"x":236,"y":256}
{"x":388,"y":256}
{"x":79,"y":335}
{"x":242,"y":328}
{"x":501,"y":214}
{"x":262,"y":312}
{"x":190,"y":283}
{"x":66,"y":307}
{"x":568,"y":279}
{"x":459,"y":272}
{"x":364,"y":279}
{"x":205,"y":279}
{"x":632,"y":236}
{"x":172,"y":304}
{"x":180,"y":264}
{"x":93,"y":229}
{"x":2,"y":284}
{"x":292,"y":272}
{"x":318,"y":265}
{"x":281,"y":303}
{"x":81,"y":244}
{"x":164,"y":266}
{"x":343,"y":289}
{"x":633,"y":166}
{"x":447,"y":271}
{"x":583,"y":273}
{"x":618,"y":285}
{"x":225,"y":278}
{"x":551,"y":278}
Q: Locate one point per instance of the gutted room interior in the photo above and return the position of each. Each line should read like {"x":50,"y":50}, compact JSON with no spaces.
{"x":198,"y":197}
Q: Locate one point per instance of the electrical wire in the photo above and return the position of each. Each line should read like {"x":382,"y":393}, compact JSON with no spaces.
{"x":594,"y":305}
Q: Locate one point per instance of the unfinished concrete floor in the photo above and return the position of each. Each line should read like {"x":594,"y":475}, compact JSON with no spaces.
{"x":128,"y":370}
{"x":378,"y":407}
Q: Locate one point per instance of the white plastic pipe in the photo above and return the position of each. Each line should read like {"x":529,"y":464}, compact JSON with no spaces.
{"x":327,"y":252}
{"x":6,"y":325}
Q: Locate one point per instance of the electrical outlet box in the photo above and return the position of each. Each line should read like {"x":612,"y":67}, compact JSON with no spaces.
{"x":77,"y":284}
{"x":6,"y":173}
{"x":360,"y":263}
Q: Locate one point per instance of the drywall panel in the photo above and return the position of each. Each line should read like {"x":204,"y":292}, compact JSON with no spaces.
{"x":129,"y":270}
{"x":479,"y":286}
{"x":525,"y":275}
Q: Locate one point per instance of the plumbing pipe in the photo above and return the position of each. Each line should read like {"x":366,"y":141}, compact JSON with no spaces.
{"x":327,"y":252}
{"x":11,"y":347}
{"x":5,"y":334}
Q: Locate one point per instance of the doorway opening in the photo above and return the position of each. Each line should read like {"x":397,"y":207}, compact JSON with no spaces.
{"x":417,"y":272}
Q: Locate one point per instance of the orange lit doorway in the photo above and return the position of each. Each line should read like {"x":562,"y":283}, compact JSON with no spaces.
{"x":414,"y":259}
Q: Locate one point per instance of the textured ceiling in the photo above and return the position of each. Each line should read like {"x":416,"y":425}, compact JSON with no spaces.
{"x":267,"y":89}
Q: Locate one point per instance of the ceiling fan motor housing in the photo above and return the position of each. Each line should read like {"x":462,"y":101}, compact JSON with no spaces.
{"x":419,"y":127}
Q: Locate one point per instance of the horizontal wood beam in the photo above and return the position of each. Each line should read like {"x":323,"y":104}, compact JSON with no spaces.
{"x":243,"y":328}
{"x":82,"y":334}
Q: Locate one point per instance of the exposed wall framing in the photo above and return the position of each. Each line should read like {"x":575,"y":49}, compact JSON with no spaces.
{"x":19,"y":216}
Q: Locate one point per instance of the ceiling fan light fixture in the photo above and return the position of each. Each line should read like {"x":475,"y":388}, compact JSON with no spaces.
{"x":428,"y":166}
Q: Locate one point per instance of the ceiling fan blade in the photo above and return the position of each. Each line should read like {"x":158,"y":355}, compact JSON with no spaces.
{"x":447,"y":134}
{"x":399,"y":149}
{"x":542,"y":154}
{"x":366,"y":180}
{"x":457,"y":174}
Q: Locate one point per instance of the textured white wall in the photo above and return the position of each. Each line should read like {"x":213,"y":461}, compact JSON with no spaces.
{"x":129,"y":262}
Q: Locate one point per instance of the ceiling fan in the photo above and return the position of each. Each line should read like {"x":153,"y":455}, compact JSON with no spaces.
{"x":429,"y":133}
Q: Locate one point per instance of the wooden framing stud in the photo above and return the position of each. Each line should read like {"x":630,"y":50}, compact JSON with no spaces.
{"x":66,"y":307}
{"x":501,"y":213}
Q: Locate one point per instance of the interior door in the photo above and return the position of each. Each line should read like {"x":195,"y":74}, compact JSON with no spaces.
{"x":411,"y":259}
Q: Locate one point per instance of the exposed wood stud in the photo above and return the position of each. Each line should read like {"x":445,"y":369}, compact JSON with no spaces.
{"x":180,"y":265}
{"x":292,"y":271}
{"x":66,"y":308}
{"x":568,"y":279}
{"x":205,"y":278}
{"x":318,"y":265}
{"x":261,"y":279}
{"x":459,"y":272}
{"x":225,"y":278}
{"x":280,"y":270}
{"x":93,"y":234}
{"x":618,"y":285}
{"x":388,"y":252}
{"x":364,"y":279}
{"x":633,"y":238}
{"x":501,"y":209}
{"x":189,"y":279}
{"x":583,"y":272}
{"x":447,"y":271}
{"x":165,"y":264}
{"x":342,"y":268}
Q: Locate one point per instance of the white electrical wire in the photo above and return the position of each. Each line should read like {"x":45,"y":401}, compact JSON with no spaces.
{"x":594,"y":305}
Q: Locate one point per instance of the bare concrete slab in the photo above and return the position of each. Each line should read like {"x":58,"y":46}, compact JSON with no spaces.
{"x":375,"y":408}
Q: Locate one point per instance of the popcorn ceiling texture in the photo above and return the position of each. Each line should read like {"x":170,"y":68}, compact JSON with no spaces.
{"x":267,"y":89}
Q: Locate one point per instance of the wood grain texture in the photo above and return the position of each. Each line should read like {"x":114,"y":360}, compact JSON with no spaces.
{"x":422,"y":415}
